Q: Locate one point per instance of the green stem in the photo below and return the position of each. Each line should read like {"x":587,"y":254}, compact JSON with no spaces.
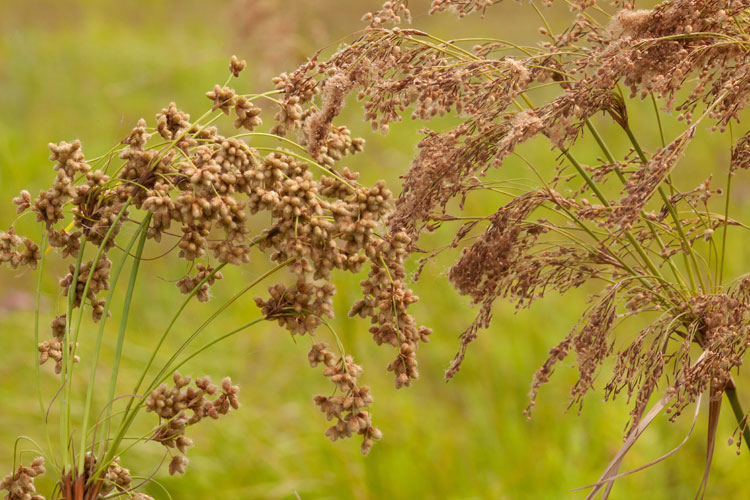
{"x":100,"y":335}
{"x":726,"y":221}
{"x":131,"y":412}
{"x":675,"y":218}
{"x":610,"y":157}
{"x":206,"y":346}
{"x":73,"y":289}
{"x":37,"y":366}
{"x":739,"y":413}
{"x":167,"y":367}
{"x":166,"y":332}
{"x":637,"y":246}
{"x":67,"y":359}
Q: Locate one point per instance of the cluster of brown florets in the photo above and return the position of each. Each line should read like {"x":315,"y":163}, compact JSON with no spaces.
{"x":52,"y":349}
{"x":200,"y":283}
{"x":20,"y":484}
{"x":181,"y":180}
{"x":16,"y":251}
{"x":171,"y":404}
{"x":350,"y":408}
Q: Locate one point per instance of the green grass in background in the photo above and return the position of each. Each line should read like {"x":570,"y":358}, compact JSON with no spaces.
{"x":90,"y":69}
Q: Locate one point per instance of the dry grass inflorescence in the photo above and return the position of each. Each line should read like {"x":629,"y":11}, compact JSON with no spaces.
{"x":655,"y":252}
{"x":622,"y":225}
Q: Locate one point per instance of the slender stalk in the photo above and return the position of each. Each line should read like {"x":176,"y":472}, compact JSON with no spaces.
{"x":166,"y":332}
{"x":67,"y":359}
{"x":675,"y":218}
{"x":167,"y":367}
{"x":658,"y":121}
{"x":739,"y":413}
{"x":72,"y":290}
{"x":726,"y":218}
{"x":100,"y":335}
{"x":37,"y":366}
{"x":179,"y":365}
{"x":131,"y":412}
{"x":610,"y":157}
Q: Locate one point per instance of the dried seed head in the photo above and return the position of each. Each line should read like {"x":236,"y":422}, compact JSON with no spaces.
{"x":236,"y":65}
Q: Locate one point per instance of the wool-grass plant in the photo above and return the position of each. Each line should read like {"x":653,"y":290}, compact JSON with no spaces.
{"x":624,"y":224}
{"x":653,"y":251}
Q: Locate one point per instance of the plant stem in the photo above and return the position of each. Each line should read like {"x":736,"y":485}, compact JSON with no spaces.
{"x":678,"y":224}
{"x":67,"y":359}
{"x":739,"y":413}
{"x":726,"y":219}
{"x":166,"y":369}
{"x":37,"y":366}
{"x":210,"y":344}
{"x":610,"y":157}
{"x":97,"y":348}
{"x":131,"y":412}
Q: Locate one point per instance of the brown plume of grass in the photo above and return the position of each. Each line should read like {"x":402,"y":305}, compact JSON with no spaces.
{"x":652,"y":250}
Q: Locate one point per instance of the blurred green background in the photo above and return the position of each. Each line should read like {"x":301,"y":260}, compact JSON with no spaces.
{"x":89,"y":69}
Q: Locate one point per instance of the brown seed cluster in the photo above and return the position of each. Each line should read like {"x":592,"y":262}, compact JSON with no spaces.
{"x":200,"y":283}
{"x":349,"y":409}
{"x":201,"y":189}
{"x":97,"y":280}
{"x":386,"y":300}
{"x":16,"y":251}
{"x":172,"y":405}
{"x":52,"y":349}
{"x":20,"y":484}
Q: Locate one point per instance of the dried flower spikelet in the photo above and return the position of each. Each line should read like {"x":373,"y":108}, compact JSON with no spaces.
{"x":223,"y":98}
{"x":248,"y":114}
{"x":462,"y":7}
{"x":13,"y":254}
{"x":20,"y":485}
{"x":317,"y":126}
{"x":188,"y":284}
{"x":116,"y":478}
{"x":172,"y":122}
{"x":52,"y":349}
{"x":386,"y":300}
{"x":349,"y":408}
{"x":236,"y":65}
{"x":178,"y":465}
{"x":171,"y":404}
{"x":629,"y":23}
{"x":98,"y":281}
{"x":392,"y":12}
{"x":289,"y":117}
{"x":69,"y":242}
{"x":22,"y":201}
{"x":741,"y":154}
